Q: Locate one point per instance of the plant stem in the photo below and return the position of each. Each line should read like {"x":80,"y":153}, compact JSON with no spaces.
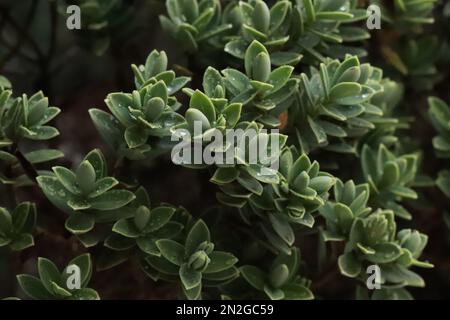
{"x":27,"y":167}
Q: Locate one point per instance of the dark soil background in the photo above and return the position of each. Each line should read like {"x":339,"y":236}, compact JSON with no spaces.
{"x":38,"y":52}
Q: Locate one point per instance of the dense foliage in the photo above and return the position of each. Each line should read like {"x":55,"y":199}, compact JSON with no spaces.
{"x":353,"y":176}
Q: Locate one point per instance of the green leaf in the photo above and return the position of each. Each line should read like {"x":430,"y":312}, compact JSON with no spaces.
{"x":189,"y":278}
{"x":403,"y":192}
{"x":261,"y":16}
{"x":349,"y":62}
{"x":232,"y":114}
{"x":273,"y":294}
{"x":366,"y":250}
{"x":261,"y":67}
{"x":142,"y":217}
{"x":252,"y":51}
{"x":194,"y":293}
{"x":211,"y":79}
{"x":254,"y":276}
{"x":204,"y":18}
{"x":441,"y":144}
{"x":108,"y":127}
{"x":236,"y":82}
{"x":294,"y":291}
{"x":350,"y":75}
{"x":198,"y":234}
{"x":260,"y":86}
{"x":135,"y":136}
{"x":60,"y":291}
{"x":222,"y":276}
{"x":177,"y":84}
{"x":368,"y":162}
{"x":276,"y":241}
{"x":111,"y":200}
{"x":148,"y":245}
{"x":345,"y":89}
{"x":5,"y":222}
{"x":391,"y":174}
{"x":190,"y":9}
{"x":78,"y":204}
{"x":33,"y":287}
{"x":4,"y":83}
{"x":319,"y":133}
{"x":118,"y":242}
{"x":118,"y":104}
{"x":250,"y":183}
{"x":231,"y":201}
{"x":250,"y":32}
{"x":236,"y":48}
{"x":280,"y":76}
{"x":399,"y":274}
{"x":310,"y":12}
{"x":224,"y":175}
{"x":344,"y":216}
{"x":391,"y":294}
{"x":22,"y":242}
{"x":291,"y":260}
{"x":142,"y":198}
{"x":278,"y":276}
{"x":357,"y":233}
{"x":281,"y":226}
{"x":169,"y":230}
{"x":36,"y":111}
{"x":285,"y":58}
{"x":159,"y":217}
{"x":364,"y":96}
{"x":187,"y":39}
{"x":349,"y":265}
{"x":89,"y":239}
{"x":67,"y":178}
{"x":79,"y":223}
{"x":103,"y":185}
{"x":333,"y":15}
{"x":385,"y":253}
{"x":278,"y":14}
{"x":155,"y":63}
{"x":443,"y":182}
{"x":97,"y":160}
{"x":171,"y":250}
{"x":111,"y":259}
{"x":220,"y":261}
{"x":43,"y":155}
{"x":40,"y":133}
{"x":162,"y":265}
{"x":127,"y":228}
{"x":263,"y":174}
{"x":201,"y":102}
{"x":85,"y":177}
{"x":8,"y":157}
{"x":48,"y":273}
{"x":49,"y":114}
{"x":321,"y":184}
{"x":152,"y":109}
{"x":86,"y":294}
{"x":23,"y":217}
{"x":193,"y":116}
